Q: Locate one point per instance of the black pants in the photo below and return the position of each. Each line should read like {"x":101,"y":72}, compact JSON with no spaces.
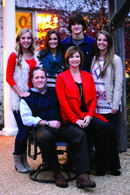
{"x":114,"y":120}
{"x":71,"y":134}
{"x":106,"y":154}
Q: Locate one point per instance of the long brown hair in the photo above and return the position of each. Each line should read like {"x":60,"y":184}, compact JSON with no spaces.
{"x":18,"y":48}
{"x":46,"y":44}
{"x":109,"y":55}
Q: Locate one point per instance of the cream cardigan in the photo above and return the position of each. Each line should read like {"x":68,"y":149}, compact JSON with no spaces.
{"x":20,"y":76}
{"x":113,"y":81}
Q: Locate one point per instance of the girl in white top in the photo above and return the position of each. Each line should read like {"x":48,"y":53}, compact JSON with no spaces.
{"x":107,"y":72}
{"x":19,"y":67}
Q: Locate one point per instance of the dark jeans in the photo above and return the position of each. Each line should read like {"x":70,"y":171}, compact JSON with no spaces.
{"x":71,"y":134}
{"x":22,"y":135}
{"x":106,"y":154}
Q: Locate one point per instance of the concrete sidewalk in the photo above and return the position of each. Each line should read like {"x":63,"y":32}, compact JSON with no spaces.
{"x":14,"y":183}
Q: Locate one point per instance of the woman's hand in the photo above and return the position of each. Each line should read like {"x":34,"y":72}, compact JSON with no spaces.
{"x":114,"y":111}
{"x":19,"y":92}
{"x":80,"y":122}
{"x":87,"y":120}
{"x":84,"y":123}
{"x":25,"y":94}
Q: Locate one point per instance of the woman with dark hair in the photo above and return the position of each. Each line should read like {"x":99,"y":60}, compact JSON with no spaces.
{"x":19,"y":67}
{"x":107,"y":71}
{"x":77,"y":97}
{"x":51,"y":57}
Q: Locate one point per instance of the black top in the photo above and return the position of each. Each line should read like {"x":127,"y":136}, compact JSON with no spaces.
{"x":82,"y":107}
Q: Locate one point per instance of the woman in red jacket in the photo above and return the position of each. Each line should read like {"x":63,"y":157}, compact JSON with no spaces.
{"x":77,"y":96}
{"x":19,"y":67}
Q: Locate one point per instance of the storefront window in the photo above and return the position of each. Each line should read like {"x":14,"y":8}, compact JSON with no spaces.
{"x":23,"y":19}
{"x":45,"y":23}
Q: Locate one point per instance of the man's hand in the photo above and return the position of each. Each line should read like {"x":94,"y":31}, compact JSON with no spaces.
{"x":54,"y":124}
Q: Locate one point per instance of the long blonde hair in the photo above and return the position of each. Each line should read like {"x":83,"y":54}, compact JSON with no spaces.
{"x":18,"y":48}
{"x":109,"y":55}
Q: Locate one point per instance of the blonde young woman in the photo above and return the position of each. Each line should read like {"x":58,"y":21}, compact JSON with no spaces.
{"x":107,"y":71}
{"x":19,"y":67}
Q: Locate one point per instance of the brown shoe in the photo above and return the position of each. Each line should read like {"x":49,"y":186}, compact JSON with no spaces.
{"x":83,"y":180}
{"x":60,"y":180}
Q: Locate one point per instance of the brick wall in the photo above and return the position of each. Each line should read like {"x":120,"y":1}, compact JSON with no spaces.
{"x":39,"y":3}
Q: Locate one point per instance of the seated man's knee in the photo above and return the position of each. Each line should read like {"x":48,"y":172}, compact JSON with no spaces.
{"x":43,"y":136}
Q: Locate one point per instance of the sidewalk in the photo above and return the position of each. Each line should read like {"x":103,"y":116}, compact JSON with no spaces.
{"x":14,"y":183}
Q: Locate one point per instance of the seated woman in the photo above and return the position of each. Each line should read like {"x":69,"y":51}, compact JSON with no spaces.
{"x":77,"y":96}
{"x":51,"y":57}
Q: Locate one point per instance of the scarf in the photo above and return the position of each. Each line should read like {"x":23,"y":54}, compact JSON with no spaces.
{"x":51,"y":64}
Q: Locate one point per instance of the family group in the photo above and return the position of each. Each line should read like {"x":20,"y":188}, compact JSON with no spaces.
{"x":70,"y":91}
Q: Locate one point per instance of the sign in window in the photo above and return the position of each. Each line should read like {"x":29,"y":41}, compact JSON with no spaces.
{"x":23,"y":20}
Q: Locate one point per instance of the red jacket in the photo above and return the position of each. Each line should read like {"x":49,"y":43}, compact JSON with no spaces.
{"x":69,"y":97}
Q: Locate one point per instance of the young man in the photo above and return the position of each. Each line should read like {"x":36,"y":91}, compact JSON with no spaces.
{"x":41,"y":109}
{"x":77,"y":25}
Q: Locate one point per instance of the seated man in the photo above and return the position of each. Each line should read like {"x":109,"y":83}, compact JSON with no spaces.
{"x":41,"y":109}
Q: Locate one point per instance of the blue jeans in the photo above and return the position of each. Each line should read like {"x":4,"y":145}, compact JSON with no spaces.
{"x":22,"y":135}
